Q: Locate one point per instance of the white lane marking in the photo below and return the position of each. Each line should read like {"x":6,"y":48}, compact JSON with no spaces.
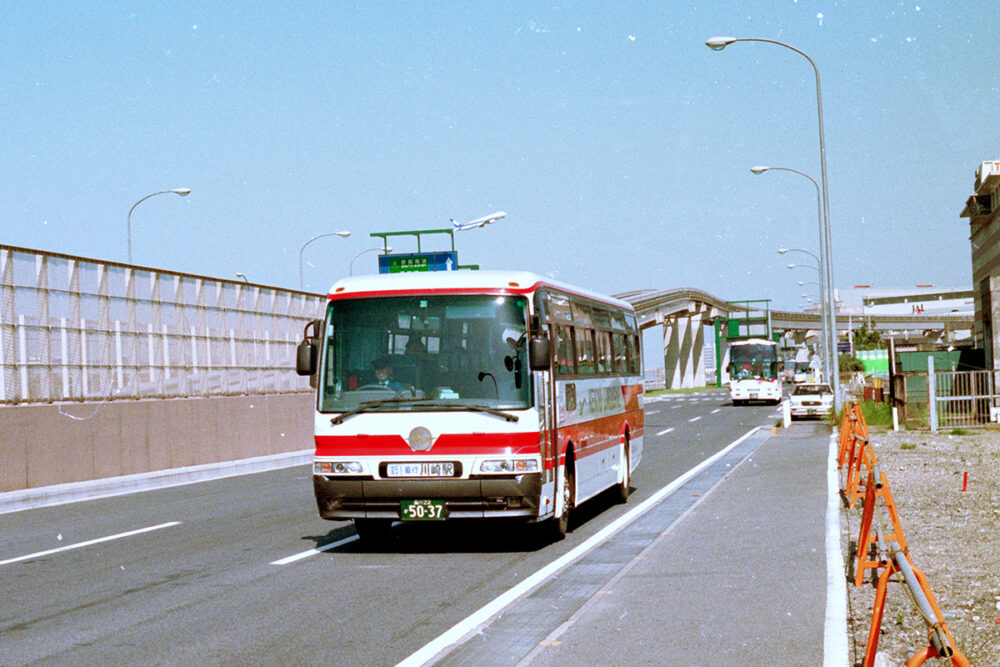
{"x":88,"y":543}
{"x":665,"y":431}
{"x":676,"y":407}
{"x":313,"y":552}
{"x":694,"y":419}
{"x":716,"y":410}
{"x":487,"y":611}
{"x":835,"y":647}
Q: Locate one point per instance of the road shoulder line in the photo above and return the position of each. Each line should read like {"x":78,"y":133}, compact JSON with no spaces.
{"x":835,"y":646}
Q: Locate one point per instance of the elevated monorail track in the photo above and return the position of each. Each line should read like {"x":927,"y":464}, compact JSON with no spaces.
{"x":653,"y":306}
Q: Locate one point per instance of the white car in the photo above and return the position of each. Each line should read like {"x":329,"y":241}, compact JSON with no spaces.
{"x":811,"y":400}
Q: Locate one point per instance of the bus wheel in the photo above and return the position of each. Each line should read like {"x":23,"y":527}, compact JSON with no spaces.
{"x":373,"y":531}
{"x":560,"y":524}
{"x":624,"y":486}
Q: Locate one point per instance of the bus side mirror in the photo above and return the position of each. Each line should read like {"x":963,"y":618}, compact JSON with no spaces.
{"x":308,"y":350}
{"x":539,"y":353}
{"x":305,"y":358}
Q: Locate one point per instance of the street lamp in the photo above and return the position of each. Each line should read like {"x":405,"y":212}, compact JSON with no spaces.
{"x":350,"y":267}
{"x":804,"y":266}
{"x":242,"y":277}
{"x":782,"y":251}
{"x":827,"y":356}
{"x":829,"y":348}
{"x":342,"y":234}
{"x":183,"y":192}
{"x":719,"y":43}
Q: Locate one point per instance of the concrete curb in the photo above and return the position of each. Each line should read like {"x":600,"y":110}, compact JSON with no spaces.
{"x":45,"y":496}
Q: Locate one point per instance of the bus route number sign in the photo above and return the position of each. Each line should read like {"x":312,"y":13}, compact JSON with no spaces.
{"x":422,"y":510}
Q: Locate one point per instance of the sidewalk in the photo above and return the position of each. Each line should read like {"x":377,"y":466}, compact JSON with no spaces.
{"x":741,"y":579}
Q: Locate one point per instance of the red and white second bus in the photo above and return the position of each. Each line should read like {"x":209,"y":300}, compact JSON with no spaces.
{"x":471,"y":394}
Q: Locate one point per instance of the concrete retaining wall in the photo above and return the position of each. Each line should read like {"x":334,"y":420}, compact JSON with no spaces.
{"x":40,"y":447}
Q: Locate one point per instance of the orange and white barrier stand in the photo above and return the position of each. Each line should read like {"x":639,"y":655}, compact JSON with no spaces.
{"x":852,"y":424}
{"x":877,"y":487}
{"x":940,"y":642}
{"x":862,"y":455}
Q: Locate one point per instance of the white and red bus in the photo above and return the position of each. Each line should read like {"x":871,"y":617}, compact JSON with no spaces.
{"x":471,"y":394}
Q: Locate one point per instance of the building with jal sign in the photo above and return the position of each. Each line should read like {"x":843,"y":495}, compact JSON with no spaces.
{"x":984,"y":236}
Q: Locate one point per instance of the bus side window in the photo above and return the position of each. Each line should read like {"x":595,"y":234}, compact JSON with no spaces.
{"x":632,"y":354}
{"x":618,"y":350}
{"x":584,"y":339}
{"x":604,"y":358}
{"x":565,"y":356}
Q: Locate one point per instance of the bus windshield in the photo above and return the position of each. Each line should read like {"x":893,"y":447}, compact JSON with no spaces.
{"x":753,"y":361}
{"x":425,"y":352}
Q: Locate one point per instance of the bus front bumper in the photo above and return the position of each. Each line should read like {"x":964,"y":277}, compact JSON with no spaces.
{"x":476,"y":498}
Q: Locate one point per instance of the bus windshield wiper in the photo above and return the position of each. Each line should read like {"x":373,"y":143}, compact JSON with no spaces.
{"x":367,"y":406}
{"x":471,"y":407}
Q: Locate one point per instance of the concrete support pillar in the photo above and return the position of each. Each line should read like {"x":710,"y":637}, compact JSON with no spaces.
{"x":683,"y":351}
{"x":697,"y":329}
{"x":673,"y":333}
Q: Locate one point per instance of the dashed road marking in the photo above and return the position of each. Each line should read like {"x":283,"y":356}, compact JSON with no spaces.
{"x":312,"y":552}
{"x":99,"y":540}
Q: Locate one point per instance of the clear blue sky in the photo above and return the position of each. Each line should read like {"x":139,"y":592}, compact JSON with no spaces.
{"x":617,"y":143}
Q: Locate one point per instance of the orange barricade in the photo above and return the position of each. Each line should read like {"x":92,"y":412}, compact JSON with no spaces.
{"x":876,"y":489}
{"x":936,"y":626}
{"x":861,"y":455}
{"x":892,"y":554}
{"x":854,"y":452}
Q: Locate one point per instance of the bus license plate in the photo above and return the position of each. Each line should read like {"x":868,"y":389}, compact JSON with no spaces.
{"x":428,"y":469}
{"x":422,"y":510}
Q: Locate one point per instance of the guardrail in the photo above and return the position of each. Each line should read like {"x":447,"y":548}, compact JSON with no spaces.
{"x":877,"y":549}
{"x":79,"y":329}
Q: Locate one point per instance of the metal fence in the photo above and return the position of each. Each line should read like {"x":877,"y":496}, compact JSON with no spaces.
{"x":78,"y":329}
{"x":952,"y":399}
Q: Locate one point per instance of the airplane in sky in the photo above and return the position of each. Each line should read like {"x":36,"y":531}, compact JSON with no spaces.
{"x":478,"y":222}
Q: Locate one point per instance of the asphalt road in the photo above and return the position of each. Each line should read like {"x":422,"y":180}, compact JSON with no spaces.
{"x":211,"y":580}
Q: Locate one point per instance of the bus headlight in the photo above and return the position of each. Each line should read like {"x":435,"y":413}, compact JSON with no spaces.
{"x":509,"y":466}
{"x":337,"y":468}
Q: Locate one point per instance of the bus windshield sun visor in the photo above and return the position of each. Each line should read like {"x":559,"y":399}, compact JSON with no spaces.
{"x":371,"y":406}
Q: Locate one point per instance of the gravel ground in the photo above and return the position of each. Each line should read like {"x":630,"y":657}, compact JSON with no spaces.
{"x":953,"y":537}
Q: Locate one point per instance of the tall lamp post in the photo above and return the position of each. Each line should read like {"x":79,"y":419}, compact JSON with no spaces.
{"x":719,"y":43}
{"x":342,"y":234}
{"x":350,"y":268}
{"x":829,"y":347}
{"x":183,"y":192}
